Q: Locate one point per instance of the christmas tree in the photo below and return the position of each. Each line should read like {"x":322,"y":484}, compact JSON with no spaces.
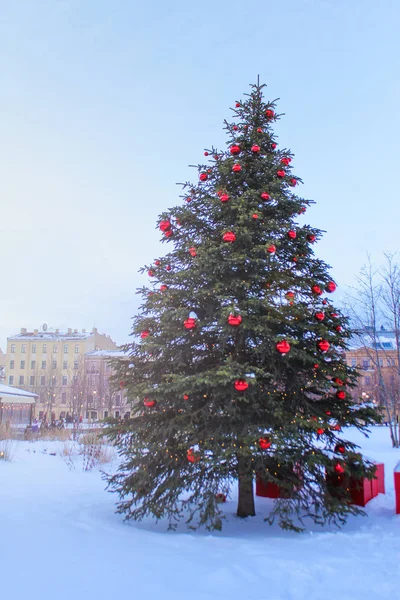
{"x":237,"y":367}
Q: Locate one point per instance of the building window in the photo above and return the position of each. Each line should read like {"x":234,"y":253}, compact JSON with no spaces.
{"x":21,"y":380}
{"x":44,"y":349}
{"x":93,"y":414}
{"x":55,"y":349}
{"x":90,"y":399}
{"x":65,"y":348}
{"x":76,"y":364}
{"x":33,"y":348}
{"x":105,"y":414}
{"x":12,"y":348}
{"x":390,"y":362}
{"x":64,"y":398}
{"x":353,"y":362}
{"x":53,"y":380}
{"x":117,"y":414}
{"x":65,"y":364}
{"x":22,"y":366}
{"x":380,"y":362}
{"x":33,"y":364}
{"x":75,"y":379}
{"x":12,"y":364}
{"x":23,"y":348}
{"x":43,"y":364}
{"x":77,"y":349}
{"x":118,"y":400}
{"x":32,"y":380}
{"x":54,"y":364}
{"x":65,"y":380}
{"x":365,"y":364}
{"x":367,"y":380}
{"x":42,"y":380}
{"x":11,"y":379}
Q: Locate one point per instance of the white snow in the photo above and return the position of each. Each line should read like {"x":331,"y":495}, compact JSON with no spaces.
{"x":60,"y":539}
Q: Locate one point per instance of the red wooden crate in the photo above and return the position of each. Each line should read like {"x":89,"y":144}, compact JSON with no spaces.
{"x":267,"y":490}
{"x":397,"y":487}
{"x":380,"y":477}
{"x":361,"y":491}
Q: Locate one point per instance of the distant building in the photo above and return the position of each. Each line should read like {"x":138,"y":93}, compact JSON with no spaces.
{"x":2,"y":366}
{"x":51,"y":364}
{"x":103,"y":399}
{"x":16,"y":406}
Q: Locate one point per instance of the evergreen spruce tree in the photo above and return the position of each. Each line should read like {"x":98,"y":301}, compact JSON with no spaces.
{"x":237,"y":362}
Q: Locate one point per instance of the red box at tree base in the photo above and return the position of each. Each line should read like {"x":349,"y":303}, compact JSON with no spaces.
{"x":361,"y":491}
{"x":378,"y":484}
{"x":267,"y":490}
{"x":397,"y":487}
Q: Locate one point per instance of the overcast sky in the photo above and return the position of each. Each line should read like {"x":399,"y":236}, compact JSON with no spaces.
{"x":104,"y":104}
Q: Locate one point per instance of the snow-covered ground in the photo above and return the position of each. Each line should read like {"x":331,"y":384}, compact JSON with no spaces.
{"x":60,"y":539}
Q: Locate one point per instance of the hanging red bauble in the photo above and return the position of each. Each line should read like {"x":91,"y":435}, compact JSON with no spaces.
{"x":203,"y":176}
{"x":286,"y":161}
{"x":339,"y":468}
{"x":265,"y":196}
{"x":316,"y":366}
{"x":255,"y":148}
{"x":338,"y":381}
{"x":229,"y":236}
{"x":320,"y":431}
{"x":236,"y":168}
{"x":237,"y":104}
{"x":314,"y":418}
{"x":168,"y":267}
{"x":150,"y":273}
{"x":235,"y":128}
{"x":334,"y":315}
{"x":295,"y":259}
{"x":293,"y":182}
{"x":291,"y":234}
{"x":241,"y":385}
{"x":269,"y":113}
{"x":168,"y":233}
{"x":341,"y":394}
{"x":338,"y":328}
{"x":273,"y":146}
{"x":336,"y":427}
{"x":205,"y":153}
{"x":149,"y":403}
{"x":209,"y":171}
{"x":302,"y":210}
{"x":144,"y":334}
{"x":254,"y":216}
{"x":271,"y":249}
{"x":311,"y":237}
{"x":224,"y":197}
{"x":185,"y":397}
{"x":122,"y":384}
{"x":289,"y":295}
{"x":235,"y":149}
{"x":216,"y":157}
{"x":331,"y":287}
{"x":283,"y":347}
{"x":190,"y":323}
{"x":324,"y":302}
{"x":264,"y":443}
{"x":340,"y":448}
{"x":220,"y":498}
{"x":157,"y":263}
{"x":328,"y":412}
{"x":234,"y":320}
{"x":320,"y":316}
{"x":163,"y":287}
{"x":193,"y":456}
{"x":259,"y":130}
{"x":192,"y":252}
{"x":316,"y":290}
{"x":165,"y":225}
{"x":281,"y":173}
{"x":324,"y":345}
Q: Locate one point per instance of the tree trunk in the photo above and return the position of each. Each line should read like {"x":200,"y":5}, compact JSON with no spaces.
{"x":245,"y":506}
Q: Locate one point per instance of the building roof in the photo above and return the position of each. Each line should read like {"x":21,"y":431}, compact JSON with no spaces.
{"x":107,"y":354}
{"x":13,"y":395}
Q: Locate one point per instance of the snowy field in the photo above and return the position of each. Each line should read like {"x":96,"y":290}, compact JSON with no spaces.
{"x":61,"y":540}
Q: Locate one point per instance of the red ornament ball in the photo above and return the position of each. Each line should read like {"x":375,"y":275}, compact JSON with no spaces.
{"x":316,"y":366}
{"x":302,"y":210}
{"x":229,"y":236}
{"x":203,"y":177}
{"x":289,"y":295}
{"x":193,"y":456}
{"x":265,"y":196}
{"x":205,"y":153}
{"x":269,"y":113}
{"x":254,"y":216}
{"x":235,"y":128}
{"x":149,"y":403}
{"x":190,"y":323}
{"x":281,"y":173}
{"x":165,"y":225}
{"x":320,"y":316}
{"x":144,"y":334}
{"x":192,"y":252}
{"x":291,"y":234}
{"x":220,"y":498}
{"x":339,"y":468}
{"x":338,"y":381}
{"x":234,"y":320}
{"x":338,"y":328}
{"x":163,"y":287}
{"x":264,"y":443}
{"x":259,"y":130}
{"x":286,"y":161}
{"x":241,"y":385}
{"x":157,"y":263}
{"x":236,"y":168}
{"x":340,"y":448}
{"x":311,"y":237}
{"x":150,"y":273}
{"x":185,"y":397}
{"x":235,"y":149}
{"x":283,"y":347}
{"x":331,"y":287}
{"x":334,"y":315}
{"x":320,"y":431}
{"x":316,"y":290}
{"x":323,"y":346}
{"x":237,"y":104}
{"x":255,"y":148}
{"x":341,"y":394}
{"x":293,"y":182}
{"x":168,"y":233}
{"x":271,"y":249}
{"x":224,"y":197}
{"x":168,"y":268}
{"x":273,"y":146}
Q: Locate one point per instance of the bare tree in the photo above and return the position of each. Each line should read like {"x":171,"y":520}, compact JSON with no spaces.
{"x":374,"y":307}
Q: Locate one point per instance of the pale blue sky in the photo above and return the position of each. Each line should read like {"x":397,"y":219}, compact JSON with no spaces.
{"x":104,"y":104}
